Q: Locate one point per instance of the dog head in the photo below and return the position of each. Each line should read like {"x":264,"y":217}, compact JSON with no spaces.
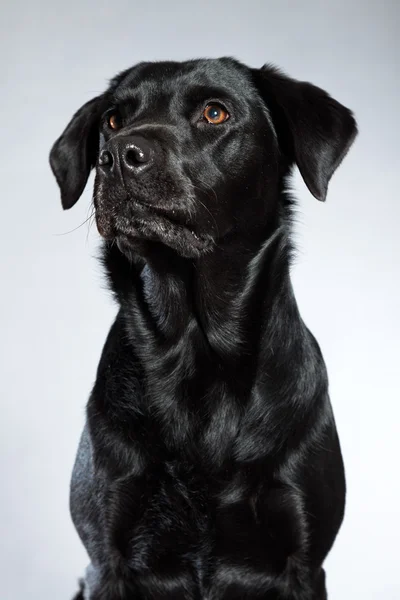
{"x":189,"y":153}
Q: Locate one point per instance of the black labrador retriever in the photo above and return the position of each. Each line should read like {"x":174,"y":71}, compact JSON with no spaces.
{"x":209,"y":467}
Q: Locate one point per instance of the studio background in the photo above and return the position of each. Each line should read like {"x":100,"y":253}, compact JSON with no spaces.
{"x":55,"y":312}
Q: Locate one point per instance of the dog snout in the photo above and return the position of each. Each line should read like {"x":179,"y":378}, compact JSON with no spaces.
{"x":132,"y":154}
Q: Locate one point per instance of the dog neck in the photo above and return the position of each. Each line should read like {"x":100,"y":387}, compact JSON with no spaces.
{"x":220,"y":306}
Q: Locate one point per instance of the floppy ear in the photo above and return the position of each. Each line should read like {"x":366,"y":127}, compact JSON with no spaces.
{"x":313,"y":129}
{"x":74,"y":154}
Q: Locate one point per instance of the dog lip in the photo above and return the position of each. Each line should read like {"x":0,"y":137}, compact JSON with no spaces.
{"x":166,"y":213}
{"x":169,"y":216}
{"x":103,"y":227}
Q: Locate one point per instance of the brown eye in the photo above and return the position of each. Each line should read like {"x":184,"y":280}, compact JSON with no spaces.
{"x":215,"y":114}
{"x":114,"y":121}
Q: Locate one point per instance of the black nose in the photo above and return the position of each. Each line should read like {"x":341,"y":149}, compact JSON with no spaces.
{"x":132,"y":154}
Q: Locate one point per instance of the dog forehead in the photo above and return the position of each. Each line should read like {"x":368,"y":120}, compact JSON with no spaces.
{"x":170,"y":78}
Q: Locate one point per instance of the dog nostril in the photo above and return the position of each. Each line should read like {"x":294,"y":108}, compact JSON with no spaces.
{"x":136,"y":156}
{"x":105,"y":159}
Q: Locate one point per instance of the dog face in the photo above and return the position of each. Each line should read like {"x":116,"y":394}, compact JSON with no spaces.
{"x":189,"y":153}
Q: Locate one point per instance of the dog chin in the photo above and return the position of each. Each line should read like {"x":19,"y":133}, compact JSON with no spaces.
{"x":145,"y":229}
{"x":143,"y":236}
{"x":143,"y":241}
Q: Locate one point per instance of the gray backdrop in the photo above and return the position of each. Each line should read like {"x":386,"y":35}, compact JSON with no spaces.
{"x":55,"y":312}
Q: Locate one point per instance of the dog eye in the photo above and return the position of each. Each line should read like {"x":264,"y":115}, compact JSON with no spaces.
{"x":215,"y":114}
{"x":114,"y":121}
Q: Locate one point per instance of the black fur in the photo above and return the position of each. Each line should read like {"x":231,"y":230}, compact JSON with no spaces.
{"x":209,"y":467}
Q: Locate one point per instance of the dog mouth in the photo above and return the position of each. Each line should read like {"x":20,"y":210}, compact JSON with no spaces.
{"x":154,"y":223}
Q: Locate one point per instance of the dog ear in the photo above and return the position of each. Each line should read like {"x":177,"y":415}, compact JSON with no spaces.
{"x":74,"y":154}
{"x":313,"y":129}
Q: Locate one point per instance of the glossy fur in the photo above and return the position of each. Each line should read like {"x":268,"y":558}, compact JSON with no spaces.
{"x":209,"y":467}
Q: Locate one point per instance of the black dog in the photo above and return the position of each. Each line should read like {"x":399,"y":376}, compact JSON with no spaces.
{"x":210,"y":467}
